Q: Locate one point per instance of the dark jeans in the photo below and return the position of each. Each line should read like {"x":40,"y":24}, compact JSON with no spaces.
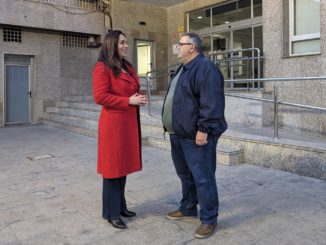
{"x":113,"y":197}
{"x":195,"y":166}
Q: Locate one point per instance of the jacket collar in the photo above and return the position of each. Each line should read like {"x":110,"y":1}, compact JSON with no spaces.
{"x":126,"y":75}
{"x":190,"y":64}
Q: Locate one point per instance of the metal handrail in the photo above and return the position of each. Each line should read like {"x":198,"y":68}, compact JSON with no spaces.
{"x":277,"y":79}
{"x":275,"y":100}
{"x":237,"y":59}
{"x":259,"y":57}
{"x":148,"y":77}
{"x":161,"y":69}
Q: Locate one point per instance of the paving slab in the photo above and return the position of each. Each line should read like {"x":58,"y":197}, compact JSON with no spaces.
{"x":58,"y":200}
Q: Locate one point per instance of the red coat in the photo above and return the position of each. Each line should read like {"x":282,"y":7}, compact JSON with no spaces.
{"x":119,"y":137}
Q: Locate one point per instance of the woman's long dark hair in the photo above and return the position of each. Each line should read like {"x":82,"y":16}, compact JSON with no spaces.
{"x":110,"y":54}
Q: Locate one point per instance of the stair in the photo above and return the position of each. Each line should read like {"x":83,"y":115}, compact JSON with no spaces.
{"x":228,"y":156}
{"x":75,"y":116}
{"x":81,"y":116}
{"x":297,"y":154}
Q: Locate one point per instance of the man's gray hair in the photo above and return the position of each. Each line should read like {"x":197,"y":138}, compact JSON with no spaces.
{"x":196,"y":40}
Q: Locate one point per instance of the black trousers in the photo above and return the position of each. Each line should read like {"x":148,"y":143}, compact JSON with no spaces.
{"x":113,"y":197}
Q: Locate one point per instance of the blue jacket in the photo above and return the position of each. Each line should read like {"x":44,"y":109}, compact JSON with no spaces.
{"x":199,"y":101}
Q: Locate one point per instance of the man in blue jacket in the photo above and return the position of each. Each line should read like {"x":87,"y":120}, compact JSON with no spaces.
{"x":193,"y":115}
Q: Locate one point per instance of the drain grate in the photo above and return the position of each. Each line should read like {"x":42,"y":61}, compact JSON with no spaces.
{"x":39,"y":157}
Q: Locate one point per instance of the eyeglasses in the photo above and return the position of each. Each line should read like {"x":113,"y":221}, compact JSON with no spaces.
{"x":182,"y":44}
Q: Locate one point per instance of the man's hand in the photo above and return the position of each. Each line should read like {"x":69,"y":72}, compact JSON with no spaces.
{"x":201,"y":138}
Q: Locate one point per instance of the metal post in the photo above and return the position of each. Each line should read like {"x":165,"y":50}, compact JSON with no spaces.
{"x":258,"y":68}
{"x":148,"y":96}
{"x":247,"y":66}
{"x":253,"y":67}
{"x":275,"y":114}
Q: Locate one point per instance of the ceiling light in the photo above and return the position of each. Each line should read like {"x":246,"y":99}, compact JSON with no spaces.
{"x":199,"y":17}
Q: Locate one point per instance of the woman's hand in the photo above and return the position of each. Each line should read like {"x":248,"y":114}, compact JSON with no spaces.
{"x":138,"y":99}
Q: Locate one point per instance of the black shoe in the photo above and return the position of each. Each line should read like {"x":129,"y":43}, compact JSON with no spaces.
{"x":128,"y":213}
{"x":118,"y":223}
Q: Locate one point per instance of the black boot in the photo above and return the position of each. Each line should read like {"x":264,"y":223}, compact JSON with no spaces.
{"x":128,"y":213}
{"x":118,"y":223}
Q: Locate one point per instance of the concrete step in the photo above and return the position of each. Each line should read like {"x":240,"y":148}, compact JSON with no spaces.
{"x":225,"y":155}
{"x":79,"y":105}
{"x":287,"y":155}
{"x":150,"y":129}
{"x":237,"y":145}
{"x":86,"y":114}
{"x":71,"y":128}
{"x":79,"y":98}
{"x":69,"y":111}
{"x":92,"y":111}
{"x":151,"y":120}
{"x":72,"y":120}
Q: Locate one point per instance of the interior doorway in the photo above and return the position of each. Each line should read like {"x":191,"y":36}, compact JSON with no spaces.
{"x":144,"y":61}
{"x":144,"y":57}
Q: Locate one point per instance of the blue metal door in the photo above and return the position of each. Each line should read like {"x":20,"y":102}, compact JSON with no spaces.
{"x":17,"y":94}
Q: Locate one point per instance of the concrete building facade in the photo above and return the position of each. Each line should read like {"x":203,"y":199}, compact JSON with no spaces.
{"x":46,"y":46}
{"x":276,"y":20}
{"x":153,"y":28}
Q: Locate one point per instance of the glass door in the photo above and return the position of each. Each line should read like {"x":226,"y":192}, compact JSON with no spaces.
{"x":228,"y":50}
{"x":227,"y":29}
{"x":221,"y":43}
{"x":242,"y":62}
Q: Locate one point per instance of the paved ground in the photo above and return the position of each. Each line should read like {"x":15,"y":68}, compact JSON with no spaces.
{"x":58,"y":200}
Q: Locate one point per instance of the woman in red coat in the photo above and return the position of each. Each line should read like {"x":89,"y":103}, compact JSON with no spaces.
{"x":116,"y":89}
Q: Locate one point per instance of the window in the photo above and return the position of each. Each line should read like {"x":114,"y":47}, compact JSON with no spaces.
{"x":82,"y":4}
{"x":206,"y":44}
{"x":76,"y":41}
{"x":199,"y":19}
{"x":304,"y":27}
{"x":258,"y":8}
{"x":224,"y":13}
{"x":12,"y":34}
{"x":231,"y":12}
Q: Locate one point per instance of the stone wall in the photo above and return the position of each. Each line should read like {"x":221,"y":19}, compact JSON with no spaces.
{"x":49,"y":17}
{"x":279,"y":64}
{"x":56,"y":71}
{"x":127,"y":15}
{"x":76,"y":65}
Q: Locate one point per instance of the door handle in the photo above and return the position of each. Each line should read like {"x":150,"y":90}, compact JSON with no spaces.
{"x":30,"y":94}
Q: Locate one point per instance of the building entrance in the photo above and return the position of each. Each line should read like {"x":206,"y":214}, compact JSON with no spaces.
{"x":17,"y":90}
{"x":236,"y":65}
{"x":230,"y":28}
